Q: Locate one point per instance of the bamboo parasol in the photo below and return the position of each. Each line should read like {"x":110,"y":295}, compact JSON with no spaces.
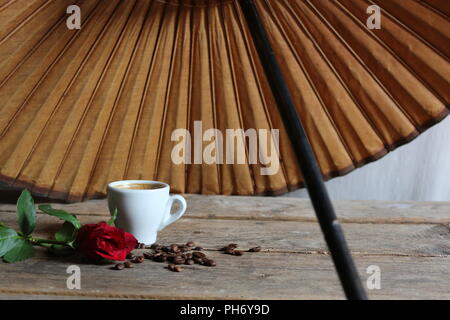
{"x":81,"y":108}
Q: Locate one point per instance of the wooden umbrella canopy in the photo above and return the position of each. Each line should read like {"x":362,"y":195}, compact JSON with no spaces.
{"x":80,"y":108}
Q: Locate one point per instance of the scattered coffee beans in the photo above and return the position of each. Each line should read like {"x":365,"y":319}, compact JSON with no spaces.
{"x":190,"y":244}
{"x":159,"y":258}
{"x":175,"y":268}
{"x":198,"y":254}
{"x":209,"y":263}
{"x":138,"y":259}
{"x":148,"y":255}
{"x":189,"y":262}
{"x":229,"y":251}
{"x":119,"y":266}
{"x":178,"y":254}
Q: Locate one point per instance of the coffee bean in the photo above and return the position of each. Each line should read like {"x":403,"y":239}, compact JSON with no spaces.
{"x":229,"y":251}
{"x":119,"y":266}
{"x":237,"y":253}
{"x":198,"y":254}
{"x":128,"y":264}
{"x":171,"y":267}
{"x":188,"y":255}
{"x":138,"y":259}
{"x":230,"y":246}
{"x":198,"y":260}
{"x":174,"y":248}
{"x":209,"y":263}
{"x":198,"y":248}
{"x":190,"y":244}
{"x":178,"y":260}
{"x":175,"y":268}
{"x":159,"y":258}
{"x":155,"y":246}
{"x":189,"y":262}
{"x":130,"y":256}
{"x":166,"y":249}
{"x":255,"y":249}
{"x":148,"y":255}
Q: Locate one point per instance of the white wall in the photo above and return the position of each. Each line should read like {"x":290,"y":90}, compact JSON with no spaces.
{"x":419,"y":170}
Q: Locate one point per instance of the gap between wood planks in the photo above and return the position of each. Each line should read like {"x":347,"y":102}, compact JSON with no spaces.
{"x":404,"y":221}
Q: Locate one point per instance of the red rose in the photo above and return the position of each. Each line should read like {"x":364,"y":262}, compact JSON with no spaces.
{"x":101,"y":240}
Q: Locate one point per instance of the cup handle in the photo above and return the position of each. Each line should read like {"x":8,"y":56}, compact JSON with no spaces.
{"x":170,"y":218}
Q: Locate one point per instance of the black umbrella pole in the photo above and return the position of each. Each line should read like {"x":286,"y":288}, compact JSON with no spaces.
{"x":320,"y":199}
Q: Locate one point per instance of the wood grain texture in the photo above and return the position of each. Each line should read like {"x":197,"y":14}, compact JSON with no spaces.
{"x":413,"y":253}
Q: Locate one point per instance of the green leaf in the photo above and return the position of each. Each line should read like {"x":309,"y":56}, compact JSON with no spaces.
{"x":112,"y":221}
{"x":66,"y":233}
{"x":8,"y":239}
{"x":21,"y":251}
{"x":26,"y":212}
{"x":63,"y":215}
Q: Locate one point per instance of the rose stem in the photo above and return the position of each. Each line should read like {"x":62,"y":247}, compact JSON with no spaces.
{"x":39,"y":241}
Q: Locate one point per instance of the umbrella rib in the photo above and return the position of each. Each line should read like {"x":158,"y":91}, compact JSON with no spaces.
{"x":72,"y":82}
{"x":213,"y":92}
{"x":94,"y":92}
{"x":115,"y":106}
{"x":236,"y":95}
{"x":394,"y":53}
{"x":412,"y":31}
{"x":259,"y":85}
{"x":363,"y":64}
{"x":34,"y":48}
{"x":316,"y":92}
{"x":58,"y":104}
{"x":166,"y":98}
{"x":143,"y":100}
{"x":346,"y":88}
{"x":27,"y":19}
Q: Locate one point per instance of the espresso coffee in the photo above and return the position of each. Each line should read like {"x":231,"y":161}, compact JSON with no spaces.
{"x":140,"y":186}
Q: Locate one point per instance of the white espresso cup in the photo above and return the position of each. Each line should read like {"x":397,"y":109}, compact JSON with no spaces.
{"x":143,"y":207}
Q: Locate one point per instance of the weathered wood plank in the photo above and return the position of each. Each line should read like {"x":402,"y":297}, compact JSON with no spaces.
{"x":290,"y":209}
{"x":255,"y":276}
{"x":409,"y":241}
{"x":288,"y":236}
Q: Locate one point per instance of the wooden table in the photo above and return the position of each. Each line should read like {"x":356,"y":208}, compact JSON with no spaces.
{"x":408,"y":241}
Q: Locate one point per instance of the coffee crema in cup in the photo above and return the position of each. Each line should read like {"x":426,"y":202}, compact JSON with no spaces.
{"x":140,"y":186}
